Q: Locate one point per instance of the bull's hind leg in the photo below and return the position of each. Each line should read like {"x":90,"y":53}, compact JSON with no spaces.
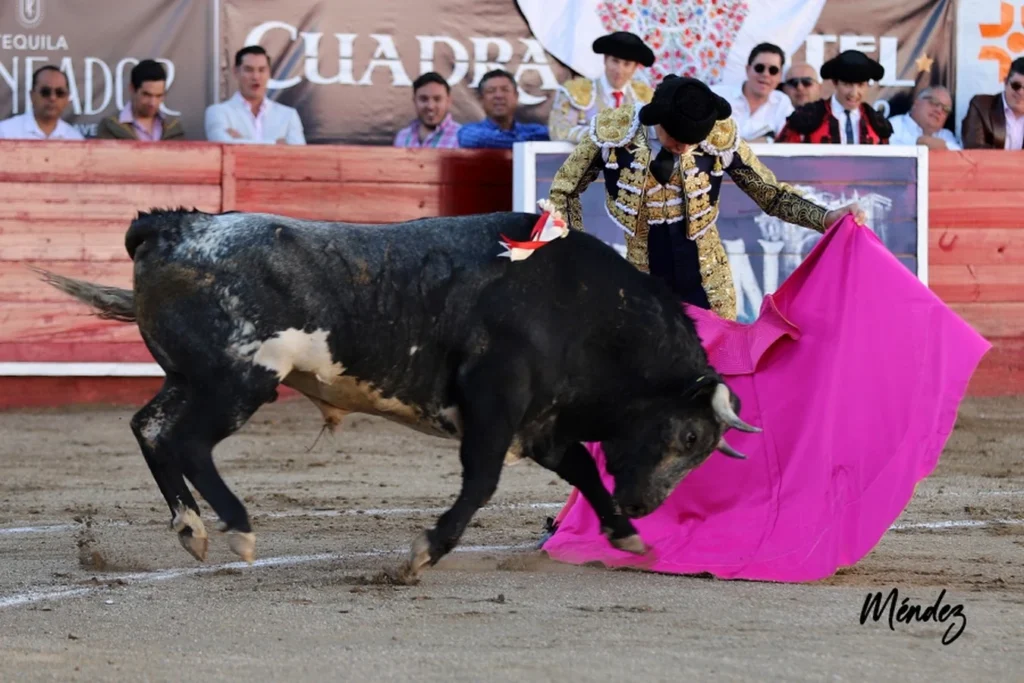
{"x":178,"y":431}
{"x":215,"y":410}
{"x":494,"y":394}
{"x":578,"y":469}
{"x":149,"y":425}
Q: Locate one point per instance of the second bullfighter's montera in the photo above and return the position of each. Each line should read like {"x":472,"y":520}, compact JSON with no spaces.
{"x":423,"y":323}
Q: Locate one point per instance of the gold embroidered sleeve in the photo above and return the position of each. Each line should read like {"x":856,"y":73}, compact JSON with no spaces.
{"x":566,"y":122}
{"x":775,"y":198}
{"x":576,"y":173}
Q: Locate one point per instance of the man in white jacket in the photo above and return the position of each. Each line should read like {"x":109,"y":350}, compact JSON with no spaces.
{"x":249,"y":116}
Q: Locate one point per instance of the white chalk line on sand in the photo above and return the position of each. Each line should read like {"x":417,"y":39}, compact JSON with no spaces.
{"x":62,"y":592}
{"x":363,"y":512}
{"x":954,"y":524}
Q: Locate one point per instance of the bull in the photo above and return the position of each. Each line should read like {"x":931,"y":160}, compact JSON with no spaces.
{"x":422,"y":323}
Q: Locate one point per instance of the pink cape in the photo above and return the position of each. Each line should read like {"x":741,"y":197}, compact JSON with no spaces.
{"x":855,"y":371}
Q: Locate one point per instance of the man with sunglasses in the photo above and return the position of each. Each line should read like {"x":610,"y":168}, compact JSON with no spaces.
{"x":845,"y":118}
{"x":758,"y":107}
{"x":49,"y":99}
{"x":924,"y":123}
{"x":997,"y":121}
{"x":802,"y":84}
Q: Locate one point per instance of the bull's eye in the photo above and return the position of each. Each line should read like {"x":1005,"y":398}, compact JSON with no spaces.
{"x":691,"y":439}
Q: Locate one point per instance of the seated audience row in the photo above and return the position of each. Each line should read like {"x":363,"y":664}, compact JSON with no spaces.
{"x":772,"y":104}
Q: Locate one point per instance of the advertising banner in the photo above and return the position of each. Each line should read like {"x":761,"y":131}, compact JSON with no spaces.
{"x":96,"y":44}
{"x":890,"y":183}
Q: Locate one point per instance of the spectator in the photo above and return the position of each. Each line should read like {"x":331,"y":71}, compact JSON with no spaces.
{"x":249,"y":116}
{"x":49,"y":98}
{"x":924,"y":123}
{"x":759,"y":108}
{"x":997,"y":121}
{"x":802,"y":85}
{"x":500,"y":130}
{"x":578,"y":100}
{"x":845,"y":118}
{"x":433,"y":125}
{"x":140,"y":119}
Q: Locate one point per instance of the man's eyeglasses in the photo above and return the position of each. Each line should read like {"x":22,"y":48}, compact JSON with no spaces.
{"x":46,"y":91}
{"x":773,"y":70}
{"x":1016,"y":85}
{"x":794,"y":82}
{"x":936,"y":103}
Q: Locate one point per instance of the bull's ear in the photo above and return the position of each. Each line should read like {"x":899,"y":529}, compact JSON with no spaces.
{"x":721,"y":403}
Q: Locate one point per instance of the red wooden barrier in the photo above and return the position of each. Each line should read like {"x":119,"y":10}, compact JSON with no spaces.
{"x":976,"y":255}
{"x":66,"y":206}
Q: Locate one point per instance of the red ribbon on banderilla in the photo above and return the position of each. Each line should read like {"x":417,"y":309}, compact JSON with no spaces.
{"x":549,"y":226}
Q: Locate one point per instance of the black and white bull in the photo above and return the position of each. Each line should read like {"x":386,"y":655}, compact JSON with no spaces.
{"x":422,"y":323}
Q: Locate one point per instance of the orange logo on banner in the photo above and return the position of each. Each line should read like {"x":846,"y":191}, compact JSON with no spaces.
{"x":1014,"y":41}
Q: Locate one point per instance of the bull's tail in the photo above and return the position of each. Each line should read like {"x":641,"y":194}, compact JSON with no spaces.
{"x":112,"y":303}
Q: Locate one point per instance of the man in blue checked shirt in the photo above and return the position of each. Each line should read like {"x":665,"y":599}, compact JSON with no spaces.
{"x":500,"y":97}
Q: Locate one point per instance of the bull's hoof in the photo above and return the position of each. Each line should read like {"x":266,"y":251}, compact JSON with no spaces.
{"x":243,"y":544}
{"x":419,"y":558}
{"x":191,"y":532}
{"x":631,"y":544}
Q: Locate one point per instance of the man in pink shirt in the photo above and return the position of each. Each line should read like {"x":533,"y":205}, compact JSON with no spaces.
{"x":141,"y":119}
{"x":433,"y":125}
{"x":997,"y":121}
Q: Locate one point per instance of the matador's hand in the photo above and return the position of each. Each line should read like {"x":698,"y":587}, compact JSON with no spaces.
{"x":835,"y":215}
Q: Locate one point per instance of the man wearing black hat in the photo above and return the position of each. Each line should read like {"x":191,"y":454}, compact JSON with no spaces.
{"x":844,"y":118}
{"x":667,"y":203}
{"x":579,"y":100}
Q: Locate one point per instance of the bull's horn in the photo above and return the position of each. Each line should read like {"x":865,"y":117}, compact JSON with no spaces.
{"x":729,"y":450}
{"x":723,"y":409}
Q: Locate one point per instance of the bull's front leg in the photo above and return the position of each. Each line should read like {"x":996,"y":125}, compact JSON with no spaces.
{"x":494,"y":394}
{"x":578,"y":469}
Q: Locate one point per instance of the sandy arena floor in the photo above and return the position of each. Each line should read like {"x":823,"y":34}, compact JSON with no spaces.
{"x":93,"y":586}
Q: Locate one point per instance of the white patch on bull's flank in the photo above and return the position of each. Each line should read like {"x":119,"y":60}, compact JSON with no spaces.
{"x":413,"y":349}
{"x":293,"y":349}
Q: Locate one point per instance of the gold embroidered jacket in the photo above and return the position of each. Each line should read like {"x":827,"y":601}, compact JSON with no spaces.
{"x":618,"y":145}
{"x":579,"y":100}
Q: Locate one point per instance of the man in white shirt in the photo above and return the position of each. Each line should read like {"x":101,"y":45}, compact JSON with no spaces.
{"x":758,"y":107}
{"x":49,"y":98}
{"x":923,"y":124}
{"x":249,"y":116}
